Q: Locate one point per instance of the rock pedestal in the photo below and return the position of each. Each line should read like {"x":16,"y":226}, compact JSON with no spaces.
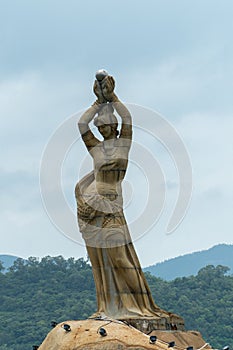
{"x":85,"y":335}
{"x":147,"y":325}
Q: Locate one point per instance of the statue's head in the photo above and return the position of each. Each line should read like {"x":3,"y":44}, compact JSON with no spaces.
{"x":106,"y":121}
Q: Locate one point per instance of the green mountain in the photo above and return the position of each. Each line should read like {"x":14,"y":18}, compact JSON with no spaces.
{"x":190,"y":264}
{"x":181,"y":266}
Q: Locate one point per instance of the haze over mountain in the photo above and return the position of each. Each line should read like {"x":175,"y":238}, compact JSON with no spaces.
{"x":190,"y":264}
{"x":7,"y":260}
{"x":181,"y":266}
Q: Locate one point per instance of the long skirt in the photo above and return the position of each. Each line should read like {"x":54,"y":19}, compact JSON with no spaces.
{"x":121,"y":288}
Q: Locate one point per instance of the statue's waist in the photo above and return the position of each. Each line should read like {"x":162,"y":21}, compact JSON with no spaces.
{"x":105,"y":189}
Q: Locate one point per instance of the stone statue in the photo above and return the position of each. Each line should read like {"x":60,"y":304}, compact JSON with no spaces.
{"x":122,"y":291}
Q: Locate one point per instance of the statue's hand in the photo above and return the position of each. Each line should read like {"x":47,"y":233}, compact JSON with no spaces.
{"x":98,"y":92}
{"x":108,"y":85}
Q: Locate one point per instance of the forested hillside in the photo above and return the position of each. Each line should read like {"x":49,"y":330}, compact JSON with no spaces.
{"x":35,"y":293}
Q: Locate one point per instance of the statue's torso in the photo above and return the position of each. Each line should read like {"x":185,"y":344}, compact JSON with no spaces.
{"x":110,"y":164}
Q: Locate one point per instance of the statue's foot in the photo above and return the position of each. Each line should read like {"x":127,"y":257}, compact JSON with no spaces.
{"x":98,"y":316}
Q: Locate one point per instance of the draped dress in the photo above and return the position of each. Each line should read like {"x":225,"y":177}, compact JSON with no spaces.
{"x":121,"y":288}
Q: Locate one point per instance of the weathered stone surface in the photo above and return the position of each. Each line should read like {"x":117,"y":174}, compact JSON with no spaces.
{"x":121,"y":287}
{"x":84,"y":336}
{"x":182,"y":339}
{"x":147,"y":325}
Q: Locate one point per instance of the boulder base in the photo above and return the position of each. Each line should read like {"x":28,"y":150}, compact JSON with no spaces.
{"x":84,"y":335}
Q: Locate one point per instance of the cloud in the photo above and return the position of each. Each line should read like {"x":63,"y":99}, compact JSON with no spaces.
{"x":41,"y":104}
{"x":54,"y":37}
{"x":178,"y":64}
{"x":209,"y":141}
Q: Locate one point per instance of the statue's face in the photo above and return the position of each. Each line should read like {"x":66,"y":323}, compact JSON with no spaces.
{"x":105,"y":130}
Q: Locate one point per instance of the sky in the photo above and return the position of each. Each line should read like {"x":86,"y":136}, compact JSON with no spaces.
{"x":171,"y":57}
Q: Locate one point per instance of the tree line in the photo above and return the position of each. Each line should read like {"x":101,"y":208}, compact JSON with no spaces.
{"x":34,"y":293}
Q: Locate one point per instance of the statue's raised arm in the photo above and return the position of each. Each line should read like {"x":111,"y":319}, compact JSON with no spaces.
{"x":107,"y":101}
{"x":104,"y":90}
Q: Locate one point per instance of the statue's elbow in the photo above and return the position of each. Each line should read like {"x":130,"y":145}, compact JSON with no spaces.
{"x":82,"y":127}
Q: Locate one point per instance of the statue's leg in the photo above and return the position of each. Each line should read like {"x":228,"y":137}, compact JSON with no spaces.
{"x":132,"y":288}
{"x":95,"y":255}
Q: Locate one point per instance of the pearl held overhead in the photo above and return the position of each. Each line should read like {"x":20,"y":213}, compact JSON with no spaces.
{"x":101,"y":74}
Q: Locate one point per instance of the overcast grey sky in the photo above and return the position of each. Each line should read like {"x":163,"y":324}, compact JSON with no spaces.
{"x":174,"y":57}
